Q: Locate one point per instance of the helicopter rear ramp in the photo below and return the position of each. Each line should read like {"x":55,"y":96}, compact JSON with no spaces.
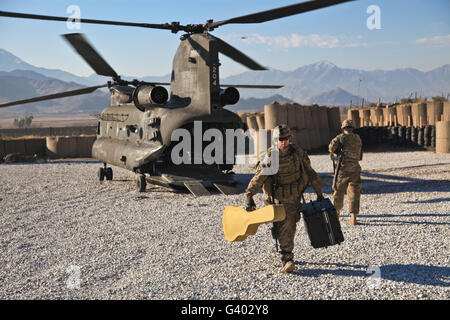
{"x":198,"y":180}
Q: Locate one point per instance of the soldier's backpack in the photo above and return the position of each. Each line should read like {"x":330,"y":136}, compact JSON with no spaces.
{"x":322,"y":223}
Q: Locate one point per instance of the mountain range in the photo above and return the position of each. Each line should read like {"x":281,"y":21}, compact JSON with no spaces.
{"x":323,"y":83}
{"x":311,"y":81}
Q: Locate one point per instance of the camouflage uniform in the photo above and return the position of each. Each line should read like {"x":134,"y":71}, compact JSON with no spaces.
{"x":349,"y":177}
{"x":294,"y":173}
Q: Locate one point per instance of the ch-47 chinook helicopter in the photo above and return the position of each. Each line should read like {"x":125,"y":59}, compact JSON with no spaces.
{"x":134,"y":132}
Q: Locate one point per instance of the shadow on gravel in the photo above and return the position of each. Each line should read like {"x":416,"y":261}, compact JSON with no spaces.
{"x":417,"y":273}
{"x":430,"y":201}
{"x":370,"y":186}
{"x":53,"y":162}
{"x":409,"y":273}
{"x":345,"y":270}
{"x":384,"y":222}
{"x":404,"y":184}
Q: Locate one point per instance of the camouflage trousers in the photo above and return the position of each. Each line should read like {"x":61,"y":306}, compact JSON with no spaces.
{"x":350,"y":181}
{"x":285,"y":230}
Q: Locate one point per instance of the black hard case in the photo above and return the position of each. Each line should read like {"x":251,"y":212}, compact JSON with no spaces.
{"x":322,"y":223}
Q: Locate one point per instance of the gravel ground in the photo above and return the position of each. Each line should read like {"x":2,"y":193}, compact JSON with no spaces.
{"x":66,"y":236}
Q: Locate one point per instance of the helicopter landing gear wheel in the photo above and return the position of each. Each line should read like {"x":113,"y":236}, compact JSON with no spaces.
{"x":141,"y":183}
{"x":109,"y":174}
{"x":101,"y":174}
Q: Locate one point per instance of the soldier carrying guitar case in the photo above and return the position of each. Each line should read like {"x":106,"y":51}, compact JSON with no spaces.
{"x":322,"y":223}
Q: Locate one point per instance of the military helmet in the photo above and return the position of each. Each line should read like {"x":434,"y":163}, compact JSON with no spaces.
{"x":283,"y":131}
{"x":347,"y":123}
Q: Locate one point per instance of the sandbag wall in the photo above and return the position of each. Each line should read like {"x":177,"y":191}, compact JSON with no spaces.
{"x":53,"y":147}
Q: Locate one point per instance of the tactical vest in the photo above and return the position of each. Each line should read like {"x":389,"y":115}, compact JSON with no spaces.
{"x":351,"y":148}
{"x":291,"y":179}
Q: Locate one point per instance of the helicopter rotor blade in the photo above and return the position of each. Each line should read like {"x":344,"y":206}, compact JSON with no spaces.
{"x":233,"y":53}
{"x":281,"y":12}
{"x":90,"y":55}
{"x":252,"y":86}
{"x":54,"y":96}
{"x":94,"y":21}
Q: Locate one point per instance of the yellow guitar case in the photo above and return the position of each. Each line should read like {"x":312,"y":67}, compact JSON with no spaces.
{"x":238,"y":223}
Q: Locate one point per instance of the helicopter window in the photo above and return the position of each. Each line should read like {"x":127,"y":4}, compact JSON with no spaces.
{"x":141,"y":133}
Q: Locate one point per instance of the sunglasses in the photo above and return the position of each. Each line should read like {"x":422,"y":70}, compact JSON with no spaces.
{"x":283,"y":139}
{"x":348,"y":128}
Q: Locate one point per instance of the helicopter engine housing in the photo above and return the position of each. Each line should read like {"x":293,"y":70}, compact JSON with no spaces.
{"x":148,"y":95}
{"x":229,"y":95}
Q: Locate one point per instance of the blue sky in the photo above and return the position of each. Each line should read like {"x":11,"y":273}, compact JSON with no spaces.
{"x":414,"y":33}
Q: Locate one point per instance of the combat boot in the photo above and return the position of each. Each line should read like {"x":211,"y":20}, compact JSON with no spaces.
{"x":353,"y":219}
{"x":288,"y":267}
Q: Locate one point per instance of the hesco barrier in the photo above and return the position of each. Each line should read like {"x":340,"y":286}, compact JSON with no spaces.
{"x":23,"y":146}
{"x":260,"y":121}
{"x":434,"y":111}
{"x":283,"y":113}
{"x":404,"y":115}
{"x":446,"y":111}
{"x":69,"y":147}
{"x":399,"y":136}
{"x":48,"y":132}
{"x":251,"y":122}
{"x":353,"y":114}
{"x":419,"y":114}
{"x":443,"y":137}
{"x":271,"y":115}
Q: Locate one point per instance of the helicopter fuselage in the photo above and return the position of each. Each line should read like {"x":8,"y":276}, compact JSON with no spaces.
{"x":133,"y":138}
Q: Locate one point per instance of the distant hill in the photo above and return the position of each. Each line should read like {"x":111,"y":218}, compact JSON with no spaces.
{"x":322,"y":82}
{"x":22,"y":84}
{"x":257,"y":104}
{"x":315,"y":79}
{"x":10,"y":62}
{"x":336,"y":97}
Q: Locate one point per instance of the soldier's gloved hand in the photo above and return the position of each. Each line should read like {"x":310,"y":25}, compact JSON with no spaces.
{"x":320,"y":197}
{"x":250,"y":205}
